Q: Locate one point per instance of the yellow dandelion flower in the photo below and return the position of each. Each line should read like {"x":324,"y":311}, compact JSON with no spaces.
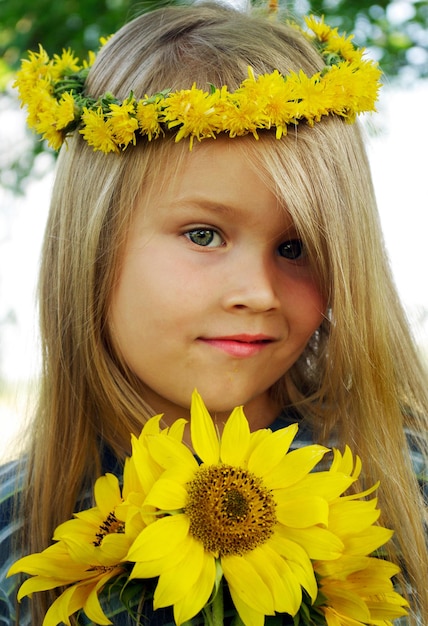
{"x":249,"y":509}
{"x":313,"y":100}
{"x":147,"y":114}
{"x":66,"y":111}
{"x":97,"y":132}
{"x":279,"y":107}
{"x":193,"y":111}
{"x":320,"y":29}
{"x":123,"y":123}
{"x":343,"y":47}
{"x":64,"y":64}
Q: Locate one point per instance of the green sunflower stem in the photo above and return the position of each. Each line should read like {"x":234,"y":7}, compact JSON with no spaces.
{"x":217,"y":607}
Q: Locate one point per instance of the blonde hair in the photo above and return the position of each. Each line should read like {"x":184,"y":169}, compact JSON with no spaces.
{"x":359,"y":377}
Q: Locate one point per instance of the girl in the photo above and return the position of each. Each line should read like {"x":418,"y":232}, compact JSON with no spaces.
{"x":253,"y":270}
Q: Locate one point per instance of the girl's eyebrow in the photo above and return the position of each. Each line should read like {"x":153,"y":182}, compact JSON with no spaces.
{"x":205,"y":204}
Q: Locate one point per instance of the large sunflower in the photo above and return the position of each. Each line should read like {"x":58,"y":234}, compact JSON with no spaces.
{"x":244,"y":508}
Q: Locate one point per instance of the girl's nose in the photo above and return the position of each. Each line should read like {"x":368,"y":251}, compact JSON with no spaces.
{"x":250,"y":285}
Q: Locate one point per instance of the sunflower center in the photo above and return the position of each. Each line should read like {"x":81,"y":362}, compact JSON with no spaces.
{"x":230,"y":509}
{"x":109,"y":526}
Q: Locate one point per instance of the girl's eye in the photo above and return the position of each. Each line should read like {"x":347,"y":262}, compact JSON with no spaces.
{"x":206,"y":237}
{"x":294,"y":249}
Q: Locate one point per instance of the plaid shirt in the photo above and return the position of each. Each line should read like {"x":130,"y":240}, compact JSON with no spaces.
{"x":11,"y":478}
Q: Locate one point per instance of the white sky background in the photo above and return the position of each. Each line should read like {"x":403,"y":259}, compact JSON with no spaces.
{"x":397,"y":152}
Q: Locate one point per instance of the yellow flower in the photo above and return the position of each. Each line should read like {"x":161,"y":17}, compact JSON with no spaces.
{"x":360,"y":592}
{"x":123,"y":123}
{"x":65,"y":64}
{"x":321,"y":30}
{"x":357,"y":587}
{"x":90,"y":551}
{"x":148,"y":118}
{"x":193,"y":110}
{"x":97,"y":132}
{"x":249,"y":510}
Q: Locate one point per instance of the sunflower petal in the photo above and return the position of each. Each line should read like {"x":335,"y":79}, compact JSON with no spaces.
{"x":279,"y":578}
{"x":319,"y":543}
{"x":293,"y":467}
{"x":246,"y":582}
{"x":92,"y":606}
{"x":159,"y":539}
{"x":175,"y":582}
{"x":204,"y":436}
{"x":271,"y":450}
{"x":248,"y":615}
{"x":235,"y":429}
{"x":167,"y":495}
{"x":107,"y":493}
{"x":197,"y":598}
{"x":303,"y":512}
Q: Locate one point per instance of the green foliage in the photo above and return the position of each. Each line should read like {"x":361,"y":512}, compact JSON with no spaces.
{"x":395,"y":33}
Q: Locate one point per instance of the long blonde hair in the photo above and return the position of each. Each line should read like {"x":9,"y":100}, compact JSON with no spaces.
{"x":359,"y":377}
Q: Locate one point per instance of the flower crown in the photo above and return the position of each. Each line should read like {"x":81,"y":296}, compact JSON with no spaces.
{"x":53,"y":90}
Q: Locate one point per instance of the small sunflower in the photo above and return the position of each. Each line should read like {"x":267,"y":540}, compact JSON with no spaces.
{"x":90,"y":550}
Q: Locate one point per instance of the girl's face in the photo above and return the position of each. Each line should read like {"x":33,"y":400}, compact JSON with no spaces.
{"x":215,"y":290}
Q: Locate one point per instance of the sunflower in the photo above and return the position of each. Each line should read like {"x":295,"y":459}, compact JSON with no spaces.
{"x":89,"y":552}
{"x":239,"y":506}
{"x":90,"y":549}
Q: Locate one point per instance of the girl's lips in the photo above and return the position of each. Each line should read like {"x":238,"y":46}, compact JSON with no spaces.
{"x":240,"y":346}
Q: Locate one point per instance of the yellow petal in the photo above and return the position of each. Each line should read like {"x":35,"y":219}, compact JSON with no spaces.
{"x":242,"y":577}
{"x":341,"y":568}
{"x":352,"y":516}
{"x":50,"y":562}
{"x":298,"y":561}
{"x":146,"y":470}
{"x":72,"y":600}
{"x":367,"y":542}
{"x":279,"y":578}
{"x":346,"y":603}
{"x":324,"y":484}
{"x":107,"y":493}
{"x":37,"y":583}
{"x":387,"y":607}
{"x":303,"y":512}
{"x":199,"y":594}
{"x":248,"y":615}
{"x":204,"y":436}
{"x":159,"y":539}
{"x":167,"y":452}
{"x":167,"y":495}
{"x":176,"y":430}
{"x":92,"y":606}
{"x":131,"y":482}
{"x":294,"y":467}
{"x":319,"y":543}
{"x":152,"y":426}
{"x":113,"y":549}
{"x":271,"y":450}
{"x":235,"y":438}
{"x":58,"y":612}
{"x":176,"y":582}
